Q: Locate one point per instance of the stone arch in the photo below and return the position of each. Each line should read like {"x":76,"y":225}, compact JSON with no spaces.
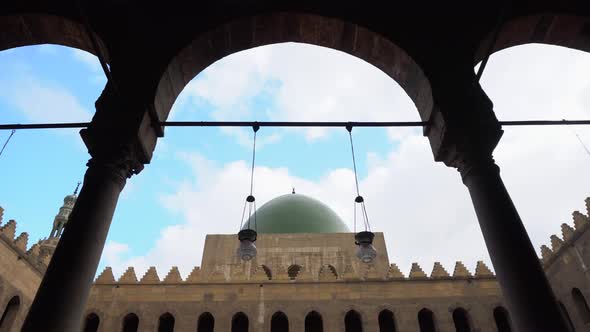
{"x":502,"y":319}
{"x":461,"y":320}
{"x":581,"y":305}
{"x":10,"y":313}
{"x":35,"y":29}
{"x":206,"y":322}
{"x":386,"y":321}
{"x":279,"y":322}
{"x":566,"y":316}
{"x":130,"y":323}
{"x":281,"y":27}
{"x":328,"y":272}
{"x":549,"y":28}
{"x":91,"y":322}
{"x":240,"y":322}
{"x":426,"y":320}
{"x":293,"y":271}
{"x":353,"y":321}
{"x":166,"y":322}
{"x":314,"y":322}
{"x":267,"y":271}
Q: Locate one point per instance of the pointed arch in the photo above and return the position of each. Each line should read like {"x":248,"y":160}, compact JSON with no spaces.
{"x":206,"y":322}
{"x":353,"y":321}
{"x":314,"y":322}
{"x":91,"y":322}
{"x":386,"y":321}
{"x":267,"y":271}
{"x":566,"y":317}
{"x":279,"y":322}
{"x":426,"y":320}
{"x":293,"y":271}
{"x":461,"y":320}
{"x":581,"y":305}
{"x":166,"y":323}
{"x":240,"y":322}
{"x":502,"y":319}
{"x":130,"y":322}
{"x":10,"y":313}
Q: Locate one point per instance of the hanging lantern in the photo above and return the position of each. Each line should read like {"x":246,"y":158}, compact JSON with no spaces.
{"x":366,"y":252}
{"x":247,"y":236}
{"x":247,"y":249}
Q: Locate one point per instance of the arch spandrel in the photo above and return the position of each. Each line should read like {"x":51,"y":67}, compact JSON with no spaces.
{"x":283,"y":27}
{"x":571,"y":31}
{"x":35,"y":29}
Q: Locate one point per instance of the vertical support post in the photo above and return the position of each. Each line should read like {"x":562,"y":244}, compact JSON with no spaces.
{"x":61,"y":299}
{"x":528,"y":295}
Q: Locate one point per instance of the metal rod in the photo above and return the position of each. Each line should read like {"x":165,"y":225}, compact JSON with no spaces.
{"x":18,"y":126}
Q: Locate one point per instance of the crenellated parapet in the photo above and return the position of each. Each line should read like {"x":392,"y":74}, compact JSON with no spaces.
{"x":569,"y":235}
{"x":296,"y":273}
{"x":33,"y":255}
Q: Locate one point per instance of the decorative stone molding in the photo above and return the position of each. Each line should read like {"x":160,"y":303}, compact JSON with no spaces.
{"x":482,"y":270}
{"x":173,"y":276}
{"x":416,"y":272}
{"x":106,"y":277}
{"x":461,"y":271}
{"x":129,"y":277}
{"x":150,"y":276}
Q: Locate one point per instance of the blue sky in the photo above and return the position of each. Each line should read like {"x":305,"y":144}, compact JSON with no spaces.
{"x":198,"y":178}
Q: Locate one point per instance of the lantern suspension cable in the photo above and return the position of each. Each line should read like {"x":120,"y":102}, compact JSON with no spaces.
{"x":7,"y":140}
{"x":364,"y":240}
{"x":247,"y":236}
{"x":359,"y":199}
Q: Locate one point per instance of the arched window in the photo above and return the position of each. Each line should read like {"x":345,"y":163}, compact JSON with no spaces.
{"x":293,"y":271}
{"x":91,"y":322}
{"x":581,"y":305}
{"x":426,"y":321}
{"x":130,"y":323}
{"x":386,"y":321}
{"x":267,"y":271}
{"x":206,"y":322}
{"x":461,"y":320}
{"x":166,"y":323}
{"x":239,"y":323}
{"x":566,"y":316}
{"x":313,"y":322}
{"x":9,"y":314}
{"x":279,"y":322}
{"x":502,"y":319}
{"x":353,"y":322}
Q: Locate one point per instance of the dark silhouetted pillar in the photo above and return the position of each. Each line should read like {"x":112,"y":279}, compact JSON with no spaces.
{"x":529,"y":297}
{"x":62,"y":295}
{"x":120,"y":141}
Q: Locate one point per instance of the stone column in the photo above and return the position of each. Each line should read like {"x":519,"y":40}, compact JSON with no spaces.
{"x":463,"y":133}
{"x":62,"y":295}
{"x":120,"y":140}
{"x":527,"y":292}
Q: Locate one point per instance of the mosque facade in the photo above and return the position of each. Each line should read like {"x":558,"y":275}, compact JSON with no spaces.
{"x":305,"y":277}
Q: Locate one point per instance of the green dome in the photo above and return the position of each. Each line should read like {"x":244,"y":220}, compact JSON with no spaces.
{"x":295,"y":213}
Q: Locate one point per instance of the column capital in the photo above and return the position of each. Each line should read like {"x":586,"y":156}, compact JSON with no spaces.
{"x":463,"y":130}
{"x":121,"y":137}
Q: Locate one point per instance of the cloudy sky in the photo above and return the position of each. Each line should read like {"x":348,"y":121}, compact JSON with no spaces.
{"x":198,"y":179}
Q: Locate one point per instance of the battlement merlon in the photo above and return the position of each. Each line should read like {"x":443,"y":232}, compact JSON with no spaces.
{"x":569,"y":236}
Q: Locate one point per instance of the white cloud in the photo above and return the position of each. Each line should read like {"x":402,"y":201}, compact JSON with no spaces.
{"x":308,"y":83}
{"x":88,"y":59}
{"x":421,"y":206}
{"x":41,"y":101}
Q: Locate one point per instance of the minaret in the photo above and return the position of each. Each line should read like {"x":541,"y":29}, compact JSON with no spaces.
{"x":59,"y":222}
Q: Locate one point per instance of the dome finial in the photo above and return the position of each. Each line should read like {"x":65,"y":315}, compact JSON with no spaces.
{"x":292,"y":192}
{"x":77,"y":187}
